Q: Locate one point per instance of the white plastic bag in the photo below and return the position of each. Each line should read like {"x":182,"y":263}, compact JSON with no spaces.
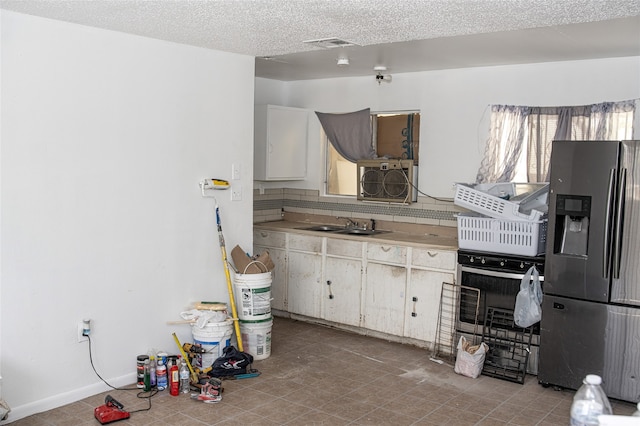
{"x":470,"y":359}
{"x":527,"y":310}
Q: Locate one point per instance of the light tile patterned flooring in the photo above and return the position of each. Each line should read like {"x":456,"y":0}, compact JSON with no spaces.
{"x":321,"y":376}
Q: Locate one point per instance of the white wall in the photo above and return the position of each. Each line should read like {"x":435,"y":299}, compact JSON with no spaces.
{"x":104,"y":139}
{"x":454,"y":106}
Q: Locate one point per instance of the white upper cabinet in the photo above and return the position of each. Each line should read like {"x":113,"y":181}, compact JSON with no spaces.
{"x":280,"y":143}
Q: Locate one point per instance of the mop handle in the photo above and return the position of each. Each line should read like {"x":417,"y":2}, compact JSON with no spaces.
{"x":232,"y":302}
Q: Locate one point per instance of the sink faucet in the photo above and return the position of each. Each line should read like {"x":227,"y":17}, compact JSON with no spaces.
{"x":350,"y":222}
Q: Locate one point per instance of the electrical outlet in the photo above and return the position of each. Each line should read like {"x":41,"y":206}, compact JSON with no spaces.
{"x":236,"y":193}
{"x":81,"y":336}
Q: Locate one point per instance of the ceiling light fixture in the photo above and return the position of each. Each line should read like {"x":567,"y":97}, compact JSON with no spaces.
{"x":343,"y":62}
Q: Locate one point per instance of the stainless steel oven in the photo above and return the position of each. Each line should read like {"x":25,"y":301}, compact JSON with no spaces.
{"x":497,"y":277}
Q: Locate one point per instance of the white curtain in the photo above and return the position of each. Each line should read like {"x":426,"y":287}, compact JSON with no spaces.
{"x":505,"y":144}
{"x":517,"y":131}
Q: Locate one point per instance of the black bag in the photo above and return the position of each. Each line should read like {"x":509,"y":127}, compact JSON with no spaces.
{"x":232,"y":362}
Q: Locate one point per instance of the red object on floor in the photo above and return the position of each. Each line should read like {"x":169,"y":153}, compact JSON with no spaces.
{"x":110,"y":412}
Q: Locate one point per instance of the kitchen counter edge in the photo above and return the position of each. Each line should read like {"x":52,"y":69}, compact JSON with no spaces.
{"x":418,"y":240}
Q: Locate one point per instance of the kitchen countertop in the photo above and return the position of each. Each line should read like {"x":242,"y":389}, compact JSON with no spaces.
{"x":436,"y":237}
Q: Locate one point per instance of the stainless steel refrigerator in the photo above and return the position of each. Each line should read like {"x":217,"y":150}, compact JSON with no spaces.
{"x":591,"y":308}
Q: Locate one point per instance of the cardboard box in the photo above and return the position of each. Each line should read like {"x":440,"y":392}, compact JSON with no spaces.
{"x":248,"y":265}
{"x":395,"y":139}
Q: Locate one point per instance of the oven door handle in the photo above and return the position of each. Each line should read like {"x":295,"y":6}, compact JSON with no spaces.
{"x":497,"y":274}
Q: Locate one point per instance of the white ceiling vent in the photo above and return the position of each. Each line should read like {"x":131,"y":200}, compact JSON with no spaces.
{"x":329,"y":43}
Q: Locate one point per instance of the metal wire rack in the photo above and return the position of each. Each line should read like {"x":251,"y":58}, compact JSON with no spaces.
{"x":446,"y":337}
{"x":509,"y":346}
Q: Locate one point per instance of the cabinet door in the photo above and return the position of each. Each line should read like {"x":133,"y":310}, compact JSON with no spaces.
{"x":278,"y":276}
{"x":341,"y":295}
{"x":304,"y":283}
{"x":384,"y":298}
{"x":423,"y":303}
{"x":280,"y":143}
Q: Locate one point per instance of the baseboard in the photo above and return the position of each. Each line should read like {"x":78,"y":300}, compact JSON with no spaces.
{"x":59,"y":400}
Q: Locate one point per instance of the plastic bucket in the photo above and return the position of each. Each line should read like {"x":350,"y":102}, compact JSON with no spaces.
{"x":256,"y":337}
{"x":214,"y":337}
{"x":253,"y":296}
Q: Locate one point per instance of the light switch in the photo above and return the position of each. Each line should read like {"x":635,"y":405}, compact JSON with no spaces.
{"x":235,"y":171}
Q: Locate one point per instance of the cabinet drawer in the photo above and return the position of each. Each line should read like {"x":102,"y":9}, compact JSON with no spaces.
{"x":387,"y":253}
{"x":344,"y":248}
{"x":269,"y":238}
{"x":437,"y":259}
{"x":305,"y":243}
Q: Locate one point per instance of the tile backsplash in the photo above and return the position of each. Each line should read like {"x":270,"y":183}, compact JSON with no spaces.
{"x":273,"y":203}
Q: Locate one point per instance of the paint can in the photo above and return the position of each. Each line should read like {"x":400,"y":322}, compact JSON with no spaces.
{"x":256,"y":337}
{"x":213,"y":337}
{"x":253,"y":296}
{"x":140,"y":370}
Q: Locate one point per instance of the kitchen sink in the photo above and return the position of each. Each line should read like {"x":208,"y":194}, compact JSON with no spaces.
{"x":357,"y":231}
{"x":342,"y":230}
{"x":324,"y":228}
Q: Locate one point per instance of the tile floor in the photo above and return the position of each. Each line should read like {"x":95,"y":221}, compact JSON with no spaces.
{"x":321,"y":376}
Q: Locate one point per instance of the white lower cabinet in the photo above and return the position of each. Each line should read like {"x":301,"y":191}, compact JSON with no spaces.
{"x":342,"y":282}
{"x":278,"y":276}
{"x":304,"y":283}
{"x":384,"y":293}
{"x":275,"y":244}
{"x":388,"y":288}
{"x":342,"y":290}
{"x":423,"y":303}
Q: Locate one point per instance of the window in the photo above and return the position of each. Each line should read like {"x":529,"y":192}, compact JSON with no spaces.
{"x":394,"y":135}
{"x":519,"y":145}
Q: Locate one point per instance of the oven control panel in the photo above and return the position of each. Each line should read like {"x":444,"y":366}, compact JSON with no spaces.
{"x":500,"y":262}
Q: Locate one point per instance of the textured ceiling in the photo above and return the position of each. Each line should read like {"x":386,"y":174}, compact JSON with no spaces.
{"x":277,"y":29}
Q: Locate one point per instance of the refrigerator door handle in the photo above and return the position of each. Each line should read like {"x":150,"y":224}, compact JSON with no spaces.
{"x":617,"y":239}
{"x":606,"y":258}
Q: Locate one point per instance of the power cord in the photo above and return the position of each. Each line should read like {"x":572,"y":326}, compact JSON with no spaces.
{"x":430,"y":196}
{"x":142,"y":394}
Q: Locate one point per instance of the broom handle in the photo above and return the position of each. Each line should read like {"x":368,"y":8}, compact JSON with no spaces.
{"x":232,"y":301}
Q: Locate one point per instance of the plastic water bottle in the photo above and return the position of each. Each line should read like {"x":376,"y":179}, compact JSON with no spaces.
{"x":152,"y":371}
{"x":161,"y":375}
{"x":589,"y":402}
{"x":184,"y":377}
